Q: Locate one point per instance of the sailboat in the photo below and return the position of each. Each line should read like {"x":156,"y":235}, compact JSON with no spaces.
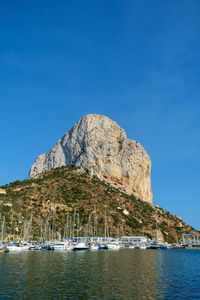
{"x":103,"y":245}
{"x":3,"y":248}
{"x":113,"y":245}
{"x":94,"y":245}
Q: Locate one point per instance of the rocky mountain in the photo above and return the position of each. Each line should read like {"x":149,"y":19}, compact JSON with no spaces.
{"x":101,"y":145}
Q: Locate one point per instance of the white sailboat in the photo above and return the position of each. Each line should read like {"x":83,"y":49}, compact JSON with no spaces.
{"x":81,"y":246}
{"x":113,"y":245}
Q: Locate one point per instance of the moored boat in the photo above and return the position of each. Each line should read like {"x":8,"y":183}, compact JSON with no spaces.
{"x":81,"y":246}
{"x":113,"y":245}
{"x":14,"y":247}
{"x":142,"y":246}
{"x":3,"y":248}
{"x":60,"y":246}
{"x":94,"y":247}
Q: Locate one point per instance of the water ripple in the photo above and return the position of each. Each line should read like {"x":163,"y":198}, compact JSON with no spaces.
{"x":124,"y":274}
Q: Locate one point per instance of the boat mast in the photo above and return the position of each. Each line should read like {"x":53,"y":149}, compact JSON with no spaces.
{"x":78,"y":226}
{"x":105,"y":229}
{"x":67,"y":230}
{"x":94,"y":234}
{"x":53,"y":227}
{"x":156,"y":226}
{"x":74,"y":223}
{"x":70,"y":233}
{"x":30,"y":226}
{"x":89,"y":229}
{"x":11,"y":226}
{"x":2,"y":229}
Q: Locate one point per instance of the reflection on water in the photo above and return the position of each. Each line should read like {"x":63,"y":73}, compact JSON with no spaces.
{"x":123,"y":274}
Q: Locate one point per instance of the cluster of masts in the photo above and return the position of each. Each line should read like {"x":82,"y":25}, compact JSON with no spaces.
{"x":74,"y":236}
{"x":46,"y":228}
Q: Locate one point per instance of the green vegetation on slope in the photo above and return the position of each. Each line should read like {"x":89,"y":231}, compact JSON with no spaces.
{"x":38,"y":208}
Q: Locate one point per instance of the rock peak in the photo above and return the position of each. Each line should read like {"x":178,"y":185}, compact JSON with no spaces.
{"x":101,"y":145}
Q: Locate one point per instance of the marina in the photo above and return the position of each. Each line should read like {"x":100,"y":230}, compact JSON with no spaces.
{"x":72,"y":240}
{"x":100,"y":243}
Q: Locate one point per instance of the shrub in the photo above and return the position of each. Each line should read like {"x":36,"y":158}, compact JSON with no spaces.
{"x":5,"y":209}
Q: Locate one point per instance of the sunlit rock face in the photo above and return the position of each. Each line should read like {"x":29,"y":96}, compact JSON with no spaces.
{"x":101,"y":145}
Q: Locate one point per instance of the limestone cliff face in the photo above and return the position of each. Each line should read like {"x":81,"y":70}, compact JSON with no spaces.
{"x":100,"y":145}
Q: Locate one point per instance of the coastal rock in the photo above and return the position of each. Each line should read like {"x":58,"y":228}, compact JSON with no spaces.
{"x":100,"y":145}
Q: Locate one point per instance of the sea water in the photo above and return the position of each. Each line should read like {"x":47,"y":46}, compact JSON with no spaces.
{"x":104,"y":274}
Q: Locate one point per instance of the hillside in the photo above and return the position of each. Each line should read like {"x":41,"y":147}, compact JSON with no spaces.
{"x":38,"y":208}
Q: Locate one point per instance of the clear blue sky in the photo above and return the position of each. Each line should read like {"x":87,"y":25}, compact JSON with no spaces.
{"x":135,"y":61}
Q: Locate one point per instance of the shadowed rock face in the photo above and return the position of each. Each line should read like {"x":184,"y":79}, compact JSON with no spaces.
{"x":100,"y":145}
